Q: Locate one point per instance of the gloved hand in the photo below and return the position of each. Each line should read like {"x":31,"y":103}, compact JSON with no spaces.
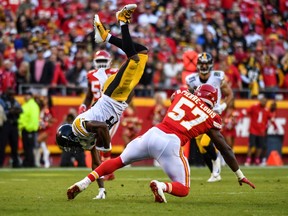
{"x":82,"y":108}
{"x":220,"y":108}
{"x":246,"y":181}
{"x":103,"y":149}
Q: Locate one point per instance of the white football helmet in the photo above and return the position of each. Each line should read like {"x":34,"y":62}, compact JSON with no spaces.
{"x":102,"y":59}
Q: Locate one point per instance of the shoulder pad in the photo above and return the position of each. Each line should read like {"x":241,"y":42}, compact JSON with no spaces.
{"x":191,"y":77}
{"x":218,"y":73}
{"x":92,"y":71}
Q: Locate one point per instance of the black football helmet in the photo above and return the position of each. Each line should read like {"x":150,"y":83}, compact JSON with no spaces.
{"x":204,"y":63}
{"x":66,"y":140}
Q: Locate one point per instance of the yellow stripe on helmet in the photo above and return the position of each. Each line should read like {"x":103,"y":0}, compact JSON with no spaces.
{"x":79,"y":128}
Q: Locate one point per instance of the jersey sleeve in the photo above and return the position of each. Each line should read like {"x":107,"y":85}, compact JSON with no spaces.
{"x":217,"y":122}
{"x":89,"y":75}
{"x":190,"y":80}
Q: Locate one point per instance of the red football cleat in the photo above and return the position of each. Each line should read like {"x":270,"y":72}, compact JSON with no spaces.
{"x":73,"y":191}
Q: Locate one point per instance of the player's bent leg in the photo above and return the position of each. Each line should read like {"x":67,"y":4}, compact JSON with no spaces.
{"x":174,"y":188}
{"x":178,"y":189}
{"x":126,"y":79}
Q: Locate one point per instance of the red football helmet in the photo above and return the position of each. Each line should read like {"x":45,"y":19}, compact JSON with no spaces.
{"x":208,"y":94}
{"x":204,"y":63}
{"x":102,"y":59}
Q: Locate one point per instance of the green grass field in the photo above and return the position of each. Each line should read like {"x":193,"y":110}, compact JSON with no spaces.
{"x":43,"y":192}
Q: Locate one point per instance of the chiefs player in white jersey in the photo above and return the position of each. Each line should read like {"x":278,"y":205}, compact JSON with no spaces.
{"x":217,"y":79}
{"x":188,"y":116}
{"x":96,"y":78}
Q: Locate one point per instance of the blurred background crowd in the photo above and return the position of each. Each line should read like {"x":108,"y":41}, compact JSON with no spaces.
{"x":49,"y":44}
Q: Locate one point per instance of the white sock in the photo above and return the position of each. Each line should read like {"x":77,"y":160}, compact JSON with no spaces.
{"x":108,"y":37}
{"x":163,"y":186}
{"x":122,"y":23}
{"x":84,"y":183}
{"x":101,"y":189}
{"x":239,"y":174}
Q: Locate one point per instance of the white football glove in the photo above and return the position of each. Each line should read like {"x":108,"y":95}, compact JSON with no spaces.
{"x":101,"y":194}
{"x":220,"y":108}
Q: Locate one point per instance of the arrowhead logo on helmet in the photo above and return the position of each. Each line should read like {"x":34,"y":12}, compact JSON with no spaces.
{"x":208,"y":94}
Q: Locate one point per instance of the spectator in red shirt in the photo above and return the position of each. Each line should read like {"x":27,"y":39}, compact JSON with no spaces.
{"x":270,"y":75}
{"x":259,"y":118}
{"x":7,"y":76}
{"x":59,"y":77}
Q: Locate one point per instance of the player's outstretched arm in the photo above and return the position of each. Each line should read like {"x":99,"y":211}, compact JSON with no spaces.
{"x":87,"y":101}
{"x":228,"y":155}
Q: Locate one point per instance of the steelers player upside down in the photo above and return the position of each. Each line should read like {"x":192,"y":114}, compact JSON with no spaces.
{"x":91,"y":130}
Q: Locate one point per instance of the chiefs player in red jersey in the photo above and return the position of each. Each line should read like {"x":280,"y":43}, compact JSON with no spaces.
{"x":188,"y":116}
{"x":96,"y":78}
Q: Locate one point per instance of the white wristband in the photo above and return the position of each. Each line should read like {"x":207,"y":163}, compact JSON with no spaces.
{"x":83,"y":105}
{"x":239,"y":174}
{"x":224,"y":106}
{"x":103,"y":149}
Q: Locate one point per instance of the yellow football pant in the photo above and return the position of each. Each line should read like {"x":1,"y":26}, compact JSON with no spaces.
{"x":202,"y":141}
{"x":120,"y":85}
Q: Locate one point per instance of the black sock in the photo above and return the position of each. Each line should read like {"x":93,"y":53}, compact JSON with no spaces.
{"x":211,"y":151}
{"x":127,"y":43}
{"x":208,"y":161}
{"x":119,"y":43}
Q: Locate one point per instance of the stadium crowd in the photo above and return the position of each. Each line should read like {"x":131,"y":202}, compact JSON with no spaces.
{"x":50,"y":43}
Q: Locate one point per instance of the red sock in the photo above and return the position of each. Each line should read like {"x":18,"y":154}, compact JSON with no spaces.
{"x":106,"y":168}
{"x":177,"y":189}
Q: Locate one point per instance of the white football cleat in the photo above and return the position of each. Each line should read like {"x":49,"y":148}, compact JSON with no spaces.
{"x":101,"y":194}
{"x":216,"y":165}
{"x":214,"y":178}
{"x":101,"y":32}
{"x":157,"y":191}
{"x":125,"y":14}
